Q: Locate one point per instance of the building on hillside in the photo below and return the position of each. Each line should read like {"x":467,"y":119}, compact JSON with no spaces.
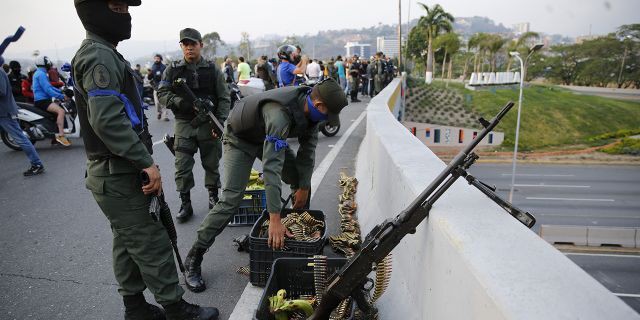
{"x":581,"y":39}
{"x":388,"y":45}
{"x":360,"y":49}
{"x":520,"y":28}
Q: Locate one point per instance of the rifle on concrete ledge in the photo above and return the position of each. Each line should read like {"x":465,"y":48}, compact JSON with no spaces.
{"x":351,"y":279}
{"x":205,"y":106}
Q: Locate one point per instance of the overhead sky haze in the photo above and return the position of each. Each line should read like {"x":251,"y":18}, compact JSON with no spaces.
{"x":54,"y":24}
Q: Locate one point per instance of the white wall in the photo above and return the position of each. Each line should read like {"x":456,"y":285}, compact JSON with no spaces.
{"x":470,"y":260}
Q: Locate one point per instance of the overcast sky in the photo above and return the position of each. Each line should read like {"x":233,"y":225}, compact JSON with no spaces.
{"x":54,"y":23}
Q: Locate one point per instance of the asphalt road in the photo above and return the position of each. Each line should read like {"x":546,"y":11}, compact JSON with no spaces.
{"x":570,"y":195}
{"x":580,"y":195}
{"x":56,"y":256}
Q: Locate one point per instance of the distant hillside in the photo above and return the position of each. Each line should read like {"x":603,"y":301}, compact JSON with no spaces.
{"x":323,"y":45}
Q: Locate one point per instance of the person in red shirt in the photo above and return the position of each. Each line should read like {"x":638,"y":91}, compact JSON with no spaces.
{"x":54,"y":77}
{"x":26,"y":85}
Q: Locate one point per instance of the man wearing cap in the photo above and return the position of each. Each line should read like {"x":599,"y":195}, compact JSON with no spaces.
{"x":193,"y":130}
{"x":118,"y":147}
{"x":258,"y":127}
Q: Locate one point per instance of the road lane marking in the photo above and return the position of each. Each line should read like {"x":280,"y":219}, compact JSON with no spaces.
{"x":248,"y":302}
{"x":539,"y":175}
{"x":627,"y":295}
{"x":608,"y":255}
{"x":550,"y":185}
{"x":569,"y":199}
{"x":158,"y":142}
{"x":579,"y":215}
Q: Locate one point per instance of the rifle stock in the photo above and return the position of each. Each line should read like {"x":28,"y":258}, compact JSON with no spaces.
{"x":383,"y":238}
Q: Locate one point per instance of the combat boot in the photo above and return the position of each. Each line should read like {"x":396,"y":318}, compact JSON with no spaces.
{"x":137,"y":308}
{"x":193,"y":275}
{"x":213,"y":197}
{"x":183,"y":310}
{"x":186,"y":211}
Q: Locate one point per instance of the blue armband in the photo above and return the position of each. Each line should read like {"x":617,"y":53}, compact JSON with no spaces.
{"x":128,"y":106}
{"x":279,"y":143}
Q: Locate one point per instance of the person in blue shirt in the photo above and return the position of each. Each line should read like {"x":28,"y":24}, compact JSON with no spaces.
{"x":287,"y":69}
{"x":8,"y":123}
{"x":342,"y":76}
{"x":44,"y":92}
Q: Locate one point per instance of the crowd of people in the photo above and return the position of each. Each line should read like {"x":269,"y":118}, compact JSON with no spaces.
{"x":300,"y":94}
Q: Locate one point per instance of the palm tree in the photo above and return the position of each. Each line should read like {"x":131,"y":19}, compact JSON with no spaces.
{"x":451,"y":44}
{"x":434,"y":22}
{"x":494,"y":44}
{"x":476,"y":43}
{"x":523,"y":42}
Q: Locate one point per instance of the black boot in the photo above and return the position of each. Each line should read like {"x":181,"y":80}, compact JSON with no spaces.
{"x":213,"y":197}
{"x":193,"y":275}
{"x":136,"y":308}
{"x":186,"y":211}
{"x":183,"y":310}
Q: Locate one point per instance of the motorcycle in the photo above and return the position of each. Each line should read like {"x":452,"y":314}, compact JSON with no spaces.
{"x":39,"y":125}
{"x":235,"y":92}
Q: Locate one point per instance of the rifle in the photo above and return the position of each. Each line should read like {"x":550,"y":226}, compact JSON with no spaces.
{"x":159,"y":210}
{"x":169,"y":142}
{"x":351,"y":279}
{"x":204,"y":106}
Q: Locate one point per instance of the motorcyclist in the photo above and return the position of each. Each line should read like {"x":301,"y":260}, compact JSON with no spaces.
{"x":287,"y":70}
{"x":43,"y":93}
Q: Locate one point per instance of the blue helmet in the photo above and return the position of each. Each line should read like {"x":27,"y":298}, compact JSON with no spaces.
{"x":66,"y":67}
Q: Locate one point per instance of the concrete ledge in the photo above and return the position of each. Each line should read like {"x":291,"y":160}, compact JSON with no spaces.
{"x":576,"y":235}
{"x":611,"y":236}
{"x":470,"y":260}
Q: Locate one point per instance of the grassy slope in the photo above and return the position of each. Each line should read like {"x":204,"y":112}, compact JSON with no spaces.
{"x":552,"y":116}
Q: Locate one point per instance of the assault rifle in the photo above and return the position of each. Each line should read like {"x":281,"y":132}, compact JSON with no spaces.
{"x":159,"y":211}
{"x":351,"y":279}
{"x":204,"y":106}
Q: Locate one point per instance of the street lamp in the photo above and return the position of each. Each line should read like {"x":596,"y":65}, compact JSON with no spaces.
{"x":516,"y":54}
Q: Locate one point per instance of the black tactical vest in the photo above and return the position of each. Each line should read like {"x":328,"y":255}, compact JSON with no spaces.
{"x":247,"y":123}
{"x":95,"y":148}
{"x":201,"y":82}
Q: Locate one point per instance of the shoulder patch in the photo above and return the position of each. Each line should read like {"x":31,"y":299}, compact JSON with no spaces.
{"x":101,"y":76}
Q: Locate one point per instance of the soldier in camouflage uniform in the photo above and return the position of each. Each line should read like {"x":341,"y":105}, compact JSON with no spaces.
{"x":193,"y":130}
{"x":258,"y":127}
{"x":118,"y":146}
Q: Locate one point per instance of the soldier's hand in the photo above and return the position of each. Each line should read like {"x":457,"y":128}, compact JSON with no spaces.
{"x":214,"y":134}
{"x":155,"y":181}
{"x":277,"y":232}
{"x":300,"y":198}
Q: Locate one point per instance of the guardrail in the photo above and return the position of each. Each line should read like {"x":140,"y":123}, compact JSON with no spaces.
{"x":470,"y":260}
{"x":591,"y":236}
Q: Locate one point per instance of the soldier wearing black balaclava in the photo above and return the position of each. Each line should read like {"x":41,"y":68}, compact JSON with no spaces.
{"x":118,"y":147}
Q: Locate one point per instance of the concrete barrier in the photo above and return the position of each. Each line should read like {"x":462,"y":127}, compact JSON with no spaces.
{"x":470,"y":260}
{"x":608,"y":236}
{"x":576,"y":235}
{"x":638,"y":238}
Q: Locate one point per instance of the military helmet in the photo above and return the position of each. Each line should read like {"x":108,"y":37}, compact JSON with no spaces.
{"x":285,"y":52}
{"x":132,"y":3}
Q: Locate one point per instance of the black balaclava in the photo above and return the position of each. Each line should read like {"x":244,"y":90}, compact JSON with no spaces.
{"x":96,"y":17}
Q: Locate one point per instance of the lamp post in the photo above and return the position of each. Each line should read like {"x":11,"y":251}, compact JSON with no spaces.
{"x":522,"y":74}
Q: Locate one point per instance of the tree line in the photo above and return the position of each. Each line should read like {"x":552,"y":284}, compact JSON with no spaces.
{"x":611,"y":60}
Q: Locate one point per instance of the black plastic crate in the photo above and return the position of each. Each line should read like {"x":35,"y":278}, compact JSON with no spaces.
{"x":250,"y":210}
{"x":262,"y":257}
{"x":295,"y":276}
